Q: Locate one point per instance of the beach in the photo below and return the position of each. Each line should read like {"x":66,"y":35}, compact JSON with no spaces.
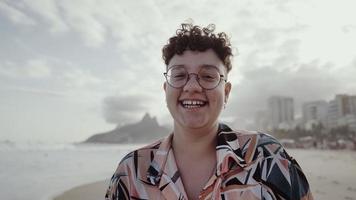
{"x":331,"y":175}
{"x":68,"y":171}
{"x":91,"y":191}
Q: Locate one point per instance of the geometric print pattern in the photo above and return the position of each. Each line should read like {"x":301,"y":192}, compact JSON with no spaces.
{"x":250,"y":165}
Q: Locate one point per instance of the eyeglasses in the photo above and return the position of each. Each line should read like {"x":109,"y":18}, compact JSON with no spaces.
{"x":208,"y":77}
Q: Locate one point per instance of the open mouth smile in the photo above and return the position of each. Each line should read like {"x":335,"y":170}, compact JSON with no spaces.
{"x":189,"y":104}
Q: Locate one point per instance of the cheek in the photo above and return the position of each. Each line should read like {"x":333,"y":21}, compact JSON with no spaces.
{"x":171,"y":96}
{"x":168,"y":97}
{"x":217,"y":98}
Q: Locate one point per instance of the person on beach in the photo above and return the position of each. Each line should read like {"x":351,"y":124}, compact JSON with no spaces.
{"x":203,"y":158}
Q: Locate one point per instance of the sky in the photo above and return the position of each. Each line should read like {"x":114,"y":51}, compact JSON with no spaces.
{"x":70,"y":69}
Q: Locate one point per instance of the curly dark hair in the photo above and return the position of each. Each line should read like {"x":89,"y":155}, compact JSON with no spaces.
{"x":195,"y":38}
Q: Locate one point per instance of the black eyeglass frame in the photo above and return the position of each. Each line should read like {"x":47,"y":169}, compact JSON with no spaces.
{"x":197,"y":78}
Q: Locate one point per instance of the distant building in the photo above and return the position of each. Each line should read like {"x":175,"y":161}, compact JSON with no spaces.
{"x":261,"y":120}
{"x":314,"y":113}
{"x":346,"y":104}
{"x":280,"y":112}
{"x":333,"y":114}
{"x":348,"y":120}
{"x":342,"y":111}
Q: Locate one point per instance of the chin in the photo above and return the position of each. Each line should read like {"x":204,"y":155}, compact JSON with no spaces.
{"x":194,"y":126}
{"x":194,"y":123}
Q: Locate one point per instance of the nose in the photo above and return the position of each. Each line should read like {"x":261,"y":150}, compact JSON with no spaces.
{"x":192,"y":84}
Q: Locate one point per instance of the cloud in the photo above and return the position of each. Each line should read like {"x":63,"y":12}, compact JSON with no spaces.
{"x":55,"y":78}
{"x":348,"y":28}
{"x":33,"y":69}
{"x":273,"y":62}
{"x":38,"y":69}
{"x":123,"y":109}
{"x":83,"y":18}
{"x":15,"y":15}
{"x":308,"y":82}
{"x":79,"y":78}
{"x":281,"y":51}
{"x":96,"y":22}
{"x":38,"y":91}
{"x":48,"y":12}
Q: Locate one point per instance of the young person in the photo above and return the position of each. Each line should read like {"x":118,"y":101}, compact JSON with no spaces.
{"x":203,"y":158}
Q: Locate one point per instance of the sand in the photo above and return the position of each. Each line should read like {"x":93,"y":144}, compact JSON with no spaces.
{"x":91,"y":191}
{"x":330,"y":177}
{"x":325,"y":191}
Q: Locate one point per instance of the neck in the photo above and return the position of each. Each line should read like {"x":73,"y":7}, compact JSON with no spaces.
{"x":195,"y":142}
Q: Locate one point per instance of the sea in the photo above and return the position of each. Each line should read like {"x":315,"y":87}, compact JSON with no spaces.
{"x":37,"y":171}
{"x":43,"y":171}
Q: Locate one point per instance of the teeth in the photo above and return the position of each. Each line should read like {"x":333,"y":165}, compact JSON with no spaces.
{"x":192,"y":103}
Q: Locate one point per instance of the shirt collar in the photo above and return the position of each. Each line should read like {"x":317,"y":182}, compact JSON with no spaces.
{"x":228,"y":151}
{"x":158,"y":163}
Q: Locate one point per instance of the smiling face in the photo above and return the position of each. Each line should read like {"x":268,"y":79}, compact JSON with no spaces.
{"x":193,"y":107}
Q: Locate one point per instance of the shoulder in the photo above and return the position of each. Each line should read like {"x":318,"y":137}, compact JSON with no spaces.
{"x":242,"y":136}
{"x":273,"y":166}
{"x":250,"y":145}
{"x":132,"y":167}
{"x":261,"y":145}
{"x":245,"y":139}
{"x":260,"y":138}
{"x":141,"y":157}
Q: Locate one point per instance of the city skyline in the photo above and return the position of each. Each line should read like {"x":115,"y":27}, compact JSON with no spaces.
{"x":280,"y":113}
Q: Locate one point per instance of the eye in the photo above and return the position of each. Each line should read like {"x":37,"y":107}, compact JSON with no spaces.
{"x":208,"y":77}
{"x":179,"y":76}
{"x":209,"y":74}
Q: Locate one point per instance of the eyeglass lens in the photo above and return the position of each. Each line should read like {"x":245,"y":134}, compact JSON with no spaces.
{"x":208,"y":77}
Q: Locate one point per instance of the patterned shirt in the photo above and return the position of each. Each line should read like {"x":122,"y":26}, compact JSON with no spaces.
{"x":250,"y":165}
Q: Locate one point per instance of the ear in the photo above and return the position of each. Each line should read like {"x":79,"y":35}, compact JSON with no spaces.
{"x":227,"y":91}
{"x":165,"y":86}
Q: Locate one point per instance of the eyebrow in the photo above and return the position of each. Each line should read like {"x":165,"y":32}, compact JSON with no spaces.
{"x":203,"y":65}
{"x":168,"y":67}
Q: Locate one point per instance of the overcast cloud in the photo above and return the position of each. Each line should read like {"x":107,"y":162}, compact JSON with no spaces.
{"x":92,"y":65}
{"x":121,"y":110}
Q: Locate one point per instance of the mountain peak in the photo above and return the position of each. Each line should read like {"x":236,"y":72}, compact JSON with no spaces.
{"x":145,"y":130}
{"x":147,"y":119}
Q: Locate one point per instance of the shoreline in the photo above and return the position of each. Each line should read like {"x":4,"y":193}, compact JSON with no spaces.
{"x":321,"y":167}
{"x":89,"y":191}
{"x":96,"y":191}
